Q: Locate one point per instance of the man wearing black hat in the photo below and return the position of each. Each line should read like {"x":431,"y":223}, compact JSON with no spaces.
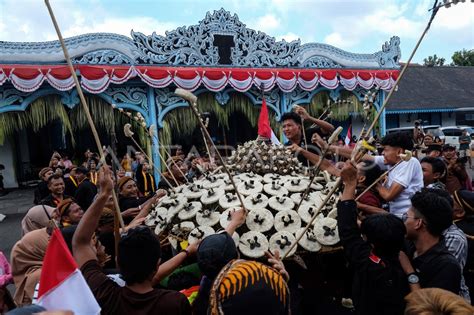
{"x":86,"y":190}
{"x":433,"y":150}
{"x":433,"y":266}
{"x":456,"y":176}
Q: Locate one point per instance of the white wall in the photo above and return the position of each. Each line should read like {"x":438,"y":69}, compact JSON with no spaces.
{"x":448,"y":121}
{"x":7,"y":158}
{"x":402,"y":119}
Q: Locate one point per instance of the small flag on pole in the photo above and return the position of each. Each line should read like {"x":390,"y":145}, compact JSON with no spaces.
{"x":264,"y":129}
{"x":348,"y":139}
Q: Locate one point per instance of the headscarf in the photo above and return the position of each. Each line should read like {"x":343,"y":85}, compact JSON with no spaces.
{"x":465,"y":199}
{"x":36,"y":218}
{"x":27,"y":260}
{"x":249,"y":287}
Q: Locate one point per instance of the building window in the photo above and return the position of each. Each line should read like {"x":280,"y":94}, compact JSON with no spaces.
{"x":465,"y":118}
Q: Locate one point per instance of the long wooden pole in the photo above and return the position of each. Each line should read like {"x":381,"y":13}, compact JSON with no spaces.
{"x":84,"y":104}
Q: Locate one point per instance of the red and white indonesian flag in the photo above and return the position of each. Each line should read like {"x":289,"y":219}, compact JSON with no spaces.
{"x":347,"y":141}
{"x":264,"y":129}
{"x":62,"y":286}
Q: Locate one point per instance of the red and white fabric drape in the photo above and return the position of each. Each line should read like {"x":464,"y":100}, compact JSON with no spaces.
{"x":96,"y":79}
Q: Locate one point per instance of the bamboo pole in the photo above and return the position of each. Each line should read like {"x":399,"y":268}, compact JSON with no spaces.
{"x":84,"y":104}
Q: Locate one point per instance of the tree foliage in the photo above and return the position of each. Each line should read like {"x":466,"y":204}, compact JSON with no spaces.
{"x":434,"y":61}
{"x":463,"y":58}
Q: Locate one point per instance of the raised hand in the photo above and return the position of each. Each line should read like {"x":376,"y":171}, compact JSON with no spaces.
{"x":275,"y":261}
{"x":301,"y":112}
{"x":349,"y":173}
{"x":105,"y":181}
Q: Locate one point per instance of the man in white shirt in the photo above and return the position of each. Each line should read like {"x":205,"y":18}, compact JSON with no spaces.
{"x":404,"y":180}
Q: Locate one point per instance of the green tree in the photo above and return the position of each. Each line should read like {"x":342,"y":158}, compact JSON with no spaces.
{"x":463,"y":58}
{"x":433,"y":61}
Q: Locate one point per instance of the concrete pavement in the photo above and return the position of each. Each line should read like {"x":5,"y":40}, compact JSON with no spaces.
{"x":14,"y":206}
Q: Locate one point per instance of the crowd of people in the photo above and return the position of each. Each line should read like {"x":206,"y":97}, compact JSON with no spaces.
{"x":407,"y":240}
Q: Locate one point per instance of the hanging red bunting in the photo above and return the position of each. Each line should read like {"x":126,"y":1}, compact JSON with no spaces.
{"x":96,"y":79}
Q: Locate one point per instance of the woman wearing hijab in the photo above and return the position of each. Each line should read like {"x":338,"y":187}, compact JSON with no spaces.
{"x":27,"y":260}
{"x":36,"y":218}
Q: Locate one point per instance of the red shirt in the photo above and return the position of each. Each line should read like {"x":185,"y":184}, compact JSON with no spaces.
{"x":370,"y":199}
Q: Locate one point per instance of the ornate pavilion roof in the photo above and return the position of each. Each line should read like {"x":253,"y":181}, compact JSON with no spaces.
{"x":217,"y":52}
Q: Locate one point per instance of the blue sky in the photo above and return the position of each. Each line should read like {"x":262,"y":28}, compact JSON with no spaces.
{"x":360,"y":26}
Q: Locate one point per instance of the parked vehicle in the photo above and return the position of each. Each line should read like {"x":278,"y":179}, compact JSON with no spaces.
{"x":431,"y":129}
{"x":452,"y":134}
{"x":470,"y":130}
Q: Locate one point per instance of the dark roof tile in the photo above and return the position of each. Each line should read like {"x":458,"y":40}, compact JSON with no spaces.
{"x":434,"y":88}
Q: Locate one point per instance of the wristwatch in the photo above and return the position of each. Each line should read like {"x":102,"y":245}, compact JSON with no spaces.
{"x":413,"y":278}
